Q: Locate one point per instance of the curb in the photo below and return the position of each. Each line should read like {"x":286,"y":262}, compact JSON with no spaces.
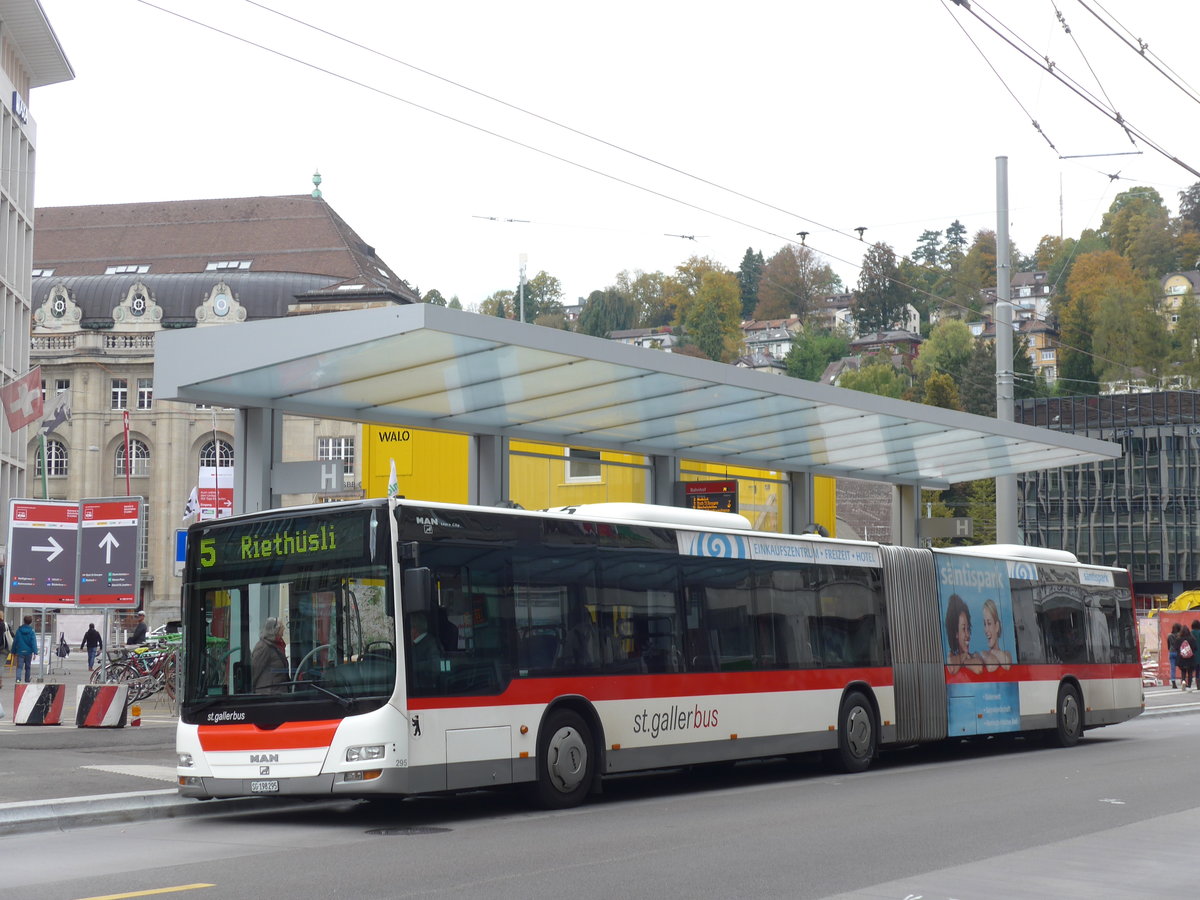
{"x":25,"y":816}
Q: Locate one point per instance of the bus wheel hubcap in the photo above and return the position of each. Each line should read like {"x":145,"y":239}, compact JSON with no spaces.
{"x":566,"y":759}
{"x":858,"y":732}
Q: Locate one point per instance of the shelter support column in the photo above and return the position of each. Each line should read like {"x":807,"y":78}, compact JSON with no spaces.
{"x":257,"y":444}
{"x":664,"y":473}
{"x":801,"y":507}
{"x":487,"y":478}
{"x":906,"y":515}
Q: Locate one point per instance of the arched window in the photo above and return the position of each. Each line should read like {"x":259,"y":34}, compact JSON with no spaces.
{"x":216,"y":453}
{"x":139,"y":453}
{"x":56,"y":453}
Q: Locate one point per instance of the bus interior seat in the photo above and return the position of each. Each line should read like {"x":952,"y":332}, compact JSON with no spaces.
{"x":539,"y":650}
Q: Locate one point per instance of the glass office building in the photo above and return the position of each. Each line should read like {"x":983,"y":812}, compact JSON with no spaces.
{"x":1140,"y":511}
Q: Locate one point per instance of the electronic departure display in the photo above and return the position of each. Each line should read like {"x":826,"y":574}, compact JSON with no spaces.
{"x":713,"y":496}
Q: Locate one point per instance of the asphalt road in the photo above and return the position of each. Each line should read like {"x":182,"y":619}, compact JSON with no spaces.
{"x":1005,"y":819}
{"x":120,"y":782}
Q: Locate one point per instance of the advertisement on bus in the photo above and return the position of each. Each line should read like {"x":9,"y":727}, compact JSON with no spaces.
{"x":976,"y":606}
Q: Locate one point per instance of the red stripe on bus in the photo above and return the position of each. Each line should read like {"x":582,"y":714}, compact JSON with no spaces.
{"x":1056,"y":672}
{"x":288,"y":736}
{"x":640,"y":687}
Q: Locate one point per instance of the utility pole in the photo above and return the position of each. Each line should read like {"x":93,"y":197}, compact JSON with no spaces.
{"x":521,"y":287}
{"x":1006,"y":485}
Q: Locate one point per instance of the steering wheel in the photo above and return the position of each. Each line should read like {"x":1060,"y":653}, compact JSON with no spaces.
{"x":307,"y":658}
{"x":380,"y":649}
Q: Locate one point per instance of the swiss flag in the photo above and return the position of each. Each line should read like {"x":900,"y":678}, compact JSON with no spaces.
{"x":22,"y":399}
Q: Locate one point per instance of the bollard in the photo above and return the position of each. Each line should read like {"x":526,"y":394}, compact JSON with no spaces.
{"x":101,"y":705}
{"x":38,"y":704}
{"x":135,"y":716}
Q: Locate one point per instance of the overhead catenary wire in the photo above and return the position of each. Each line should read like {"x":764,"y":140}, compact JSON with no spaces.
{"x":1055,"y":72}
{"x":525,"y":145}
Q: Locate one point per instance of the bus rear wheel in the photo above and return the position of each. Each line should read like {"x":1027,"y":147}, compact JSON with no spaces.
{"x":857,"y":737}
{"x":1068,"y":719}
{"x":566,"y":762}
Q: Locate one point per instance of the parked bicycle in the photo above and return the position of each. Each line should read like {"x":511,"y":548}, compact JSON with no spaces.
{"x":147,"y":670}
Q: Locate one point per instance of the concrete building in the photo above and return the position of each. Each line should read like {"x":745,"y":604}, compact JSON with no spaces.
{"x":110,"y":279}
{"x":30,"y":57}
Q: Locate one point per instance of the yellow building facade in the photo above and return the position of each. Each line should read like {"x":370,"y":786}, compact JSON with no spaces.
{"x":434,"y":466}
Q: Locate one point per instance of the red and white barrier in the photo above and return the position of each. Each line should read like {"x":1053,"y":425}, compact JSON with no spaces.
{"x":101,"y":705}
{"x":39,"y":704}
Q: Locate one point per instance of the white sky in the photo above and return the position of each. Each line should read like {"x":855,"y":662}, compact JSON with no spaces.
{"x":873,"y":113}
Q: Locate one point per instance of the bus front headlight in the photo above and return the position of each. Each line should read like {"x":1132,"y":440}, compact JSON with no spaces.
{"x":368,"y":751}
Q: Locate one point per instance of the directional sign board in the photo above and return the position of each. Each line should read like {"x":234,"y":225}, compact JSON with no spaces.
{"x":108,"y":551}
{"x":43,"y":538}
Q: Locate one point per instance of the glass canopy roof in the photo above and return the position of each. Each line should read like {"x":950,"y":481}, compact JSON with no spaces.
{"x":427,"y":367}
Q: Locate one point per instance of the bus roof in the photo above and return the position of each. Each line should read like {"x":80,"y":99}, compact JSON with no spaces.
{"x":663,"y":515}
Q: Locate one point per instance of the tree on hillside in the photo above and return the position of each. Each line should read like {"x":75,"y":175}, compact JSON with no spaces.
{"x":713,"y":320}
{"x":1189,"y":207}
{"x":947,"y":350}
{"x":499,"y":304}
{"x":1105,"y":315}
{"x":812,"y":352}
{"x":543,"y":295}
{"x":749,"y":275}
{"x":956,"y":242}
{"x":880,"y":301}
{"x":1153,"y":246}
{"x":929,"y":249}
{"x":879,"y":378}
{"x":605,"y":312}
{"x":1185,"y":351}
{"x":1130,"y":210}
{"x":682,"y":288}
{"x":793,"y":281}
{"x":646,"y":290}
{"x":941,"y":391}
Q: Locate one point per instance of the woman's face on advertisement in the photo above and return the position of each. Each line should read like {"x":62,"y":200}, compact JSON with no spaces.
{"x":964,"y":633}
{"x":991,"y":629}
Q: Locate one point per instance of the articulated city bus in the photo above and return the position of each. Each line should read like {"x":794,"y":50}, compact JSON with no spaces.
{"x":392,"y":647}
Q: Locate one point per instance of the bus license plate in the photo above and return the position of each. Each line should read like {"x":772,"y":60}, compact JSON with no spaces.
{"x":264,"y":787}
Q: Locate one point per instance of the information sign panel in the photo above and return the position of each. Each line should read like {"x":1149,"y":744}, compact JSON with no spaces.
{"x":714,"y":496}
{"x":109,"y":541}
{"x":42,"y":547}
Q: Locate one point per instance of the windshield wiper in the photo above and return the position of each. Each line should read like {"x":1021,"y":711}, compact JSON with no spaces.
{"x":345,"y":702}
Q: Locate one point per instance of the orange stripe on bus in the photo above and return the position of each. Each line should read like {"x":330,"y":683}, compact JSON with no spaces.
{"x":288,"y":736}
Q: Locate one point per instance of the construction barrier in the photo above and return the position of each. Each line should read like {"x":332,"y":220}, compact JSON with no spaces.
{"x":39,"y":704}
{"x":101,"y":705}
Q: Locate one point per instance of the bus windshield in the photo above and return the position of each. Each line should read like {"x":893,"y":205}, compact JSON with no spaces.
{"x":290,"y":609}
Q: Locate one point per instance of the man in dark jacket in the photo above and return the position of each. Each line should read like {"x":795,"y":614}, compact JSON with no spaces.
{"x":139,"y":633}
{"x":92,"y":642}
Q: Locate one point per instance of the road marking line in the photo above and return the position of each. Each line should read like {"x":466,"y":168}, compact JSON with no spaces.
{"x":158,"y":773}
{"x":166,"y":890}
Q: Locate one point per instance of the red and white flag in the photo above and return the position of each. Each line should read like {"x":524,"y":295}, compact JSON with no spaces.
{"x":22,"y":399}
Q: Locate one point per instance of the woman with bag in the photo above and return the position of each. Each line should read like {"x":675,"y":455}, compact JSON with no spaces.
{"x":1188,"y":648}
{"x":1173,"y":651}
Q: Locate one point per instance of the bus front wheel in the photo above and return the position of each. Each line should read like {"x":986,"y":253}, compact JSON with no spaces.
{"x":1068,"y":720}
{"x":566,"y":761}
{"x":857,"y":736}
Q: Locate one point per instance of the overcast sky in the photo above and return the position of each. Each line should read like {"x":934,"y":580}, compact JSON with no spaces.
{"x":737,"y":124}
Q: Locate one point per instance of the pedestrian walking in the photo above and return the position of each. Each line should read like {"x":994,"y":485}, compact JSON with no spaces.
{"x":1195,"y":632}
{"x":24,"y":648}
{"x":1173,"y":650}
{"x":1188,"y":647}
{"x":92,"y":642}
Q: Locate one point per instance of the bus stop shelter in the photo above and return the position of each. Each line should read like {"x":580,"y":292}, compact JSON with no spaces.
{"x":424,"y":366}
